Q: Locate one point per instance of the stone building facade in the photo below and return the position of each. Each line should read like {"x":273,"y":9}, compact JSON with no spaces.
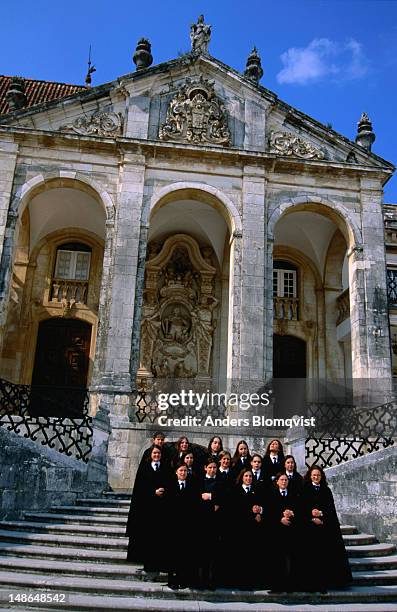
{"x":184,"y":222}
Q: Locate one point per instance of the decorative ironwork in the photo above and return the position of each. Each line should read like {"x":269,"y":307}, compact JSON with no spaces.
{"x":343,"y":432}
{"x":343,"y":305}
{"x":70,"y":433}
{"x":392,"y":287}
{"x":291,"y":145}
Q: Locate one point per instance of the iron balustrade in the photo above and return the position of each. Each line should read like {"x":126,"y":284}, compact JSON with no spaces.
{"x":63,"y":423}
{"x":343,"y":432}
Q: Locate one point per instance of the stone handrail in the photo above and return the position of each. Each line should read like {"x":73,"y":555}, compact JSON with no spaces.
{"x":343,"y":304}
{"x":72,"y":291}
{"x":286,"y":308}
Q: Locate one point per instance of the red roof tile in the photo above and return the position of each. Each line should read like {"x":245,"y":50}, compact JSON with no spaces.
{"x":37,"y":92}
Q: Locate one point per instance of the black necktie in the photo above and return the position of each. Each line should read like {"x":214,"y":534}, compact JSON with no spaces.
{"x":316,"y":487}
{"x":283,"y":493}
{"x":247,"y":490}
{"x":274,"y":459}
{"x":182,"y":486}
{"x":156,"y":466}
{"x":289,"y":476}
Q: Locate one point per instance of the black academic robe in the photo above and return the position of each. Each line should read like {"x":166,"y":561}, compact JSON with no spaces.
{"x":239,"y":465}
{"x":208,"y":531}
{"x":167,"y":454}
{"x":283,"y":541}
{"x":147,"y":518}
{"x":270,"y":469}
{"x":242,"y":546}
{"x":295,"y":484}
{"x":323,"y":556}
{"x":181,"y":532}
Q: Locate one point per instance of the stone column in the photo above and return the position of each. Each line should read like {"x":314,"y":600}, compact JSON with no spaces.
{"x":253,"y":275}
{"x":8,"y":159}
{"x":112,"y":383}
{"x":368,"y":300}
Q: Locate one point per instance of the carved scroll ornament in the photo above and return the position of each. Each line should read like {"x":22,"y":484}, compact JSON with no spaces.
{"x":99,"y":123}
{"x":196,"y":115}
{"x":285,"y":143}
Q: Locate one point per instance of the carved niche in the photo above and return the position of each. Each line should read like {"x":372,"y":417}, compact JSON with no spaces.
{"x":100,"y":123}
{"x":196,"y":115}
{"x":178,"y":321}
{"x":285,"y":143}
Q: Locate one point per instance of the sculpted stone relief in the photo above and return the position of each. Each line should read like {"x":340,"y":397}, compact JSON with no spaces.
{"x":99,"y":123}
{"x":178,"y":310}
{"x":285,"y":143}
{"x":196,"y":115}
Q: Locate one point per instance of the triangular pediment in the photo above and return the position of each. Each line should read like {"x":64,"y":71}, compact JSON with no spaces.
{"x":244,"y":116}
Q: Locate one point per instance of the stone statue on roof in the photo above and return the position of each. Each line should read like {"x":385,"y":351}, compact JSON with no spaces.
{"x":200,"y":35}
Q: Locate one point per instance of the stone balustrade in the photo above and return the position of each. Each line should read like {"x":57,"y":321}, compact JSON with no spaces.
{"x":286,"y":308}
{"x":71,"y":291}
{"x":343,"y":304}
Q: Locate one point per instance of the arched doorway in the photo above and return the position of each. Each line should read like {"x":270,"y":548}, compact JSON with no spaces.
{"x":289,"y":375}
{"x":60,"y":369}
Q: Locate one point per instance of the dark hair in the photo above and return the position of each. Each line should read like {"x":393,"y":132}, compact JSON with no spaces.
{"x":239,"y":478}
{"x":154,"y":447}
{"x":307,"y":476}
{"x":256,"y":455}
{"x":280,"y":449}
{"x":211,"y":441}
{"x":178,"y":443}
{"x":180,"y":464}
{"x":293,"y":458}
{"x":158,"y":434}
{"x":210,"y":460}
{"x":236,"y":455}
{"x":188,"y":452}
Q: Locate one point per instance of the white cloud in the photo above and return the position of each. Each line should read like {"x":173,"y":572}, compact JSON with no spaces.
{"x":323,"y":58}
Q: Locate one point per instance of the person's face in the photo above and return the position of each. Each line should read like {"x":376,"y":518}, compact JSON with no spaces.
{"x":156,"y":454}
{"x":189,"y":460}
{"x":183,"y":445}
{"x":210,"y":470}
{"x":290,"y":465}
{"x":181,"y":472}
{"x":282,"y":482}
{"x":256,"y":463}
{"x":159,"y":441}
{"x":274,"y":446}
{"x":225,"y":462}
{"x":247,"y":478}
{"x":242,"y":450}
{"x":316,"y":476}
{"x":216,"y":445}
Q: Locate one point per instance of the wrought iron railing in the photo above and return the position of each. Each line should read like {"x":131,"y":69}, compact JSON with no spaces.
{"x":343,"y":305}
{"x":392,"y":286}
{"x":69,"y":433}
{"x":345,"y":432}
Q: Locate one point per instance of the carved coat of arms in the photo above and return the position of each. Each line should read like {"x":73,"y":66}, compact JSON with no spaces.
{"x":196,"y":115}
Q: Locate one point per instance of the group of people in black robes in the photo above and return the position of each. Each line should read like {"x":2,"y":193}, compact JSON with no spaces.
{"x":210,"y":519}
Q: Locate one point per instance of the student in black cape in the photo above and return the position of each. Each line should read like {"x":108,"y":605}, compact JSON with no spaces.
{"x":147,"y":516}
{"x":182,"y":506}
{"x":241,"y":458}
{"x":246,"y":534}
{"x":295,"y":480}
{"x":282,"y":535}
{"x":182,"y":446}
{"x":215,"y":447}
{"x":273,"y":461}
{"x":208,"y":525}
{"x":323,"y":555}
{"x":192,"y":470}
{"x":167,"y":448}
{"x":257,"y":471}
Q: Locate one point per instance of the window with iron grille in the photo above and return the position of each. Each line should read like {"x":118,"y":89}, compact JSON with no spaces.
{"x":392,"y":286}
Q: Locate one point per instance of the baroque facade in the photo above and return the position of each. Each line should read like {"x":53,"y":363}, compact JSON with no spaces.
{"x":184,"y":222}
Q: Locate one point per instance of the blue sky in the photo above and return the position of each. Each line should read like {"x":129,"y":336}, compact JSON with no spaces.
{"x":332,"y":59}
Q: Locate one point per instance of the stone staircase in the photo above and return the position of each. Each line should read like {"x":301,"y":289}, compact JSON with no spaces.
{"x":79,"y":552}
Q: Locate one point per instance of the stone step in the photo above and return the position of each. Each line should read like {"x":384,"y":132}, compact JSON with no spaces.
{"x":370,"y":550}
{"x":348,"y":529}
{"x":131,"y":589}
{"x":88,"y":510}
{"x":128,"y":571}
{"x":122,"y":503}
{"x":76,"y":602}
{"x":77,"y":518}
{"x":77,"y":529}
{"x":36,"y":551}
{"x":49,"y":539}
{"x":359,"y":539}
{"x":368,"y":563}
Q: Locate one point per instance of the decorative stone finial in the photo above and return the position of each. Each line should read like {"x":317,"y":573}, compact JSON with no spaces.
{"x":15,"y":95}
{"x":200,"y":35}
{"x":365,"y":135}
{"x":253,"y":70}
{"x":142,"y":56}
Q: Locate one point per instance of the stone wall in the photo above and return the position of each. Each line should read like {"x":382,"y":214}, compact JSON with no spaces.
{"x":365,"y":492}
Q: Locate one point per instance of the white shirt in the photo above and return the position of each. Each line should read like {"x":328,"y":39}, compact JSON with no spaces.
{"x":155,"y":465}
